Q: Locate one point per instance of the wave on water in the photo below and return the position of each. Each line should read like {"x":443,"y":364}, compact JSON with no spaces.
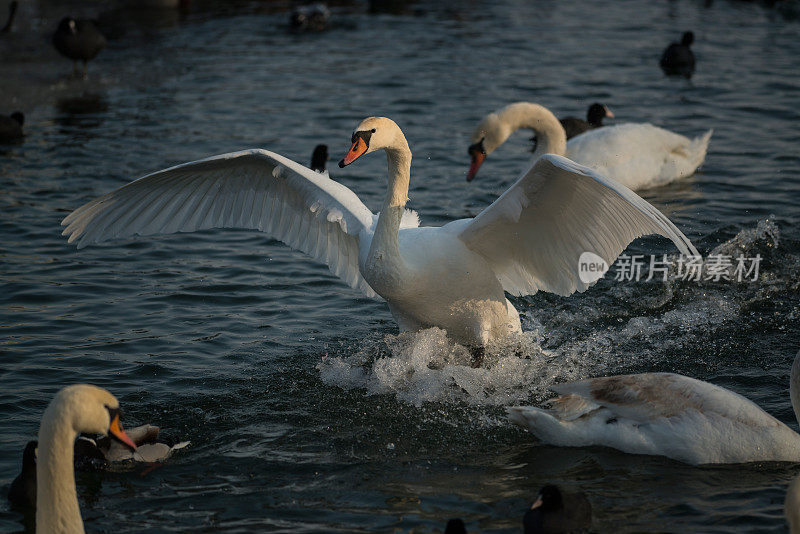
{"x":619,"y":328}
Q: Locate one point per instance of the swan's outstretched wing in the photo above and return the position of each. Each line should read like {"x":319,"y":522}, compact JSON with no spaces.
{"x":535,"y":233}
{"x":648,"y":396}
{"x":254,"y":189}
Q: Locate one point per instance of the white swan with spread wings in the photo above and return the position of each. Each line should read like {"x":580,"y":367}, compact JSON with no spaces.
{"x":454,"y":277}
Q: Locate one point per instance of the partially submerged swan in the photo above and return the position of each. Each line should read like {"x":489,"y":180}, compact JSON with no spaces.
{"x":74,"y":409}
{"x":635,"y":155}
{"x":665,"y":414}
{"x":454,"y":277}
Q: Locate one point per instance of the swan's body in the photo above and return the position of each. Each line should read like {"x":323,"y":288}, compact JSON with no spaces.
{"x":635,"y":155}
{"x":664,"y":414}
{"x":454,"y":277}
{"x":74,"y":409}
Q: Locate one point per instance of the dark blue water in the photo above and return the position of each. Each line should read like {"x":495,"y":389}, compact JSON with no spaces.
{"x":305,"y":410}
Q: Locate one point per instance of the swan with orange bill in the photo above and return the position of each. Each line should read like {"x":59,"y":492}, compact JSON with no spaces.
{"x":636,"y":155}
{"x":454,"y":277}
{"x":74,"y":409}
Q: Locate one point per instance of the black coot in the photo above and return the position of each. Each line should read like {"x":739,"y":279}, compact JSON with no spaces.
{"x":678,"y":58}
{"x":78,"y":40}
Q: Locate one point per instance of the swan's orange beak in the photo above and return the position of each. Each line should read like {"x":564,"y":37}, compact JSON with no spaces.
{"x":609,"y":114}
{"x":356,"y":151}
{"x":116,"y":430}
{"x":475,"y":164}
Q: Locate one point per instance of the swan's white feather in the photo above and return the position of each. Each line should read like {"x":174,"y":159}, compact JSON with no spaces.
{"x":639,"y":155}
{"x":661,"y":414}
{"x":535,"y":233}
{"x":255,"y":189}
{"x":452,"y":277}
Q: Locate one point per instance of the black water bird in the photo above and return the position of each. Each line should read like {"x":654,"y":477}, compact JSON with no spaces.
{"x":11,"y":127}
{"x":310,"y":18}
{"x":455,"y":526}
{"x":78,"y":40}
{"x":319,"y":157}
{"x":555,"y":511}
{"x":594,"y":119}
{"x":22,"y":492}
{"x":678,"y":58}
{"x":12,"y":10}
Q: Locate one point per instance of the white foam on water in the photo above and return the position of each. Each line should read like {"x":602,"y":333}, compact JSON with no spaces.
{"x":558,"y":345}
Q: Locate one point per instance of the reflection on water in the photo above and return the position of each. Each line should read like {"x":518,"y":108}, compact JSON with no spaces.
{"x":79,"y":115}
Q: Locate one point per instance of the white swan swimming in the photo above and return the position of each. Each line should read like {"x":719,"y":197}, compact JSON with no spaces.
{"x":454,"y":277}
{"x":665,"y":414}
{"x":635,"y":155}
{"x":74,"y":409}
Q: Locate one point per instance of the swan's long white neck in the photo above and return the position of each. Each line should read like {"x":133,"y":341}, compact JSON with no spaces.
{"x":57,"y":509}
{"x":550,"y":135}
{"x":384,"y":260}
{"x":794,"y":386}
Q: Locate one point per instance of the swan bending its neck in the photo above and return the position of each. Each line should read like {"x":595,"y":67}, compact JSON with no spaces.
{"x":496,"y":127}
{"x":74,"y":409}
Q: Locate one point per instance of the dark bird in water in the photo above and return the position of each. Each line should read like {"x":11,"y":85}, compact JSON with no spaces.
{"x":310,"y":18}
{"x":12,"y":10}
{"x":11,"y":127}
{"x":107,"y":450}
{"x":554,"y":512}
{"x":78,"y":40}
{"x":455,"y":526}
{"x":594,"y":119}
{"x":319,"y":158}
{"x":22,"y":492}
{"x":678,"y":58}
{"x":93,"y":454}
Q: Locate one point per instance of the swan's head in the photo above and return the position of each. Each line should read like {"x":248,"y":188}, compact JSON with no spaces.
{"x":374,"y":133}
{"x":490,"y":134}
{"x":89,"y":409}
{"x":687,"y":39}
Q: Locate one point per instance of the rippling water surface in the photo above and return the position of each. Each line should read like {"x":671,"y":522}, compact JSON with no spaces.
{"x":305,"y":409}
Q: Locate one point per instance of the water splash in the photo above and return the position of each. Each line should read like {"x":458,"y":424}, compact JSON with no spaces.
{"x":621,"y":328}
